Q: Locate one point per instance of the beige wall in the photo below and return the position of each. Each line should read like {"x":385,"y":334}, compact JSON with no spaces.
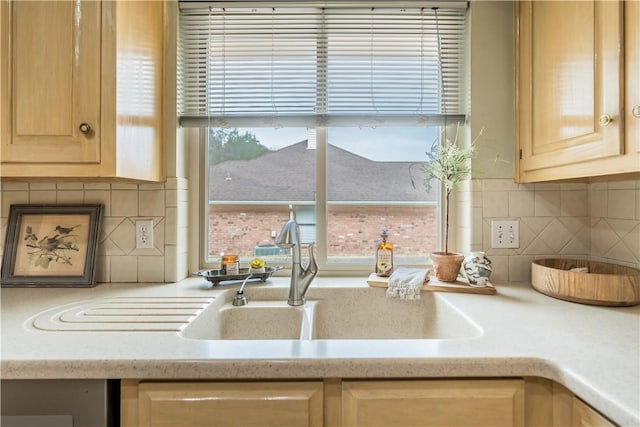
{"x":492,"y":85}
{"x":598,"y":220}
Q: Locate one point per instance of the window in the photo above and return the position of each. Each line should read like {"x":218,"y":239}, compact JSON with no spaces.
{"x":324,"y":113}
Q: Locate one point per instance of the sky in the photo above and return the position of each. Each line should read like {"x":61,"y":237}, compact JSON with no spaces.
{"x":377,"y":144}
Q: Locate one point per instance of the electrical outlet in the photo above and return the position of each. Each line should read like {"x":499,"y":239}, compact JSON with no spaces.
{"x":505,"y":234}
{"x":144,"y":234}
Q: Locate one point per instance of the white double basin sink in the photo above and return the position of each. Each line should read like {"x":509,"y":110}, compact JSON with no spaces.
{"x":330,"y":313}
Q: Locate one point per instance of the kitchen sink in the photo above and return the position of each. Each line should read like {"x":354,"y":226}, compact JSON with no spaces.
{"x":329,"y":313}
{"x":266,"y":316}
{"x":366,"y":313}
{"x":260,"y":320}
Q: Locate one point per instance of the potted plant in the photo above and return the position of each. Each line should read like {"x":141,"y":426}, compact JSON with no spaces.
{"x":450,"y":164}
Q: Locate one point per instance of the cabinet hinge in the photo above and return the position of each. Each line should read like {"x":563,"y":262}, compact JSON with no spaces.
{"x":520,"y":154}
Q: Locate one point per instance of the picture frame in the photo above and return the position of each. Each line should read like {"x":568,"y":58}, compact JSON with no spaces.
{"x":51,"y":245}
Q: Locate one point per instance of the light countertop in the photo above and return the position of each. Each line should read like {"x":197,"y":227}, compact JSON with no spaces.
{"x":593,"y":351}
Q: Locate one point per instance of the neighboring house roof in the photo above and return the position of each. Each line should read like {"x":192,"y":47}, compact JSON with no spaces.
{"x":288,"y":174}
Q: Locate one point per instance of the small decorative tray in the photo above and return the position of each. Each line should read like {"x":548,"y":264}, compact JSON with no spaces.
{"x":215,"y":276}
{"x":461,"y":285}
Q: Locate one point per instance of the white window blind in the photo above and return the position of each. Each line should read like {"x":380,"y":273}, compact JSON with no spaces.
{"x":331,"y":66}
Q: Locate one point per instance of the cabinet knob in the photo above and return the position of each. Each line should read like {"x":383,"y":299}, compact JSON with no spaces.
{"x":85,"y":128}
{"x":635,"y":111}
{"x":605,"y":119}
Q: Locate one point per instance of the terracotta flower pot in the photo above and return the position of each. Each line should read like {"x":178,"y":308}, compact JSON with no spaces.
{"x":446,"y":267}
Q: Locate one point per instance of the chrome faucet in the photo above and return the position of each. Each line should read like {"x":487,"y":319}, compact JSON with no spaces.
{"x":301,"y":277}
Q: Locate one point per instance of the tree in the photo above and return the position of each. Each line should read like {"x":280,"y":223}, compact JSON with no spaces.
{"x":230,"y":144}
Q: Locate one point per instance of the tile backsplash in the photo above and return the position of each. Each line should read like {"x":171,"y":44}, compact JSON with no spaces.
{"x":615,"y":222}
{"x":599,"y":221}
{"x":118,"y":260}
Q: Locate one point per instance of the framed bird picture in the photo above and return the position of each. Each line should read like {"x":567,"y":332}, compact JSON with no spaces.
{"x":51,"y":245}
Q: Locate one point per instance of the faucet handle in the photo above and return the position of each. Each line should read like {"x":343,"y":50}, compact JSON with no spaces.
{"x":313,"y":265}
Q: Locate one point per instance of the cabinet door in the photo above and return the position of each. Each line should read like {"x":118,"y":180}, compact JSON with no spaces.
{"x":492,"y":403}
{"x":570,"y":82}
{"x":632,"y":58}
{"x":585,"y":416}
{"x":231,"y":404}
{"x":51,"y":81}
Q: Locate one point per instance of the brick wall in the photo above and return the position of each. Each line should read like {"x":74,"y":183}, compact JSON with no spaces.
{"x":237,"y":229}
{"x":352,"y":230}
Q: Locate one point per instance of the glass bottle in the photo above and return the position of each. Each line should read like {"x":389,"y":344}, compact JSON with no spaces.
{"x":384,"y":256}
{"x":230,"y":265}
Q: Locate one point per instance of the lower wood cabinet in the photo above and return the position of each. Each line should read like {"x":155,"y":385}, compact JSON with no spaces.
{"x":549,"y":404}
{"x":331,"y":402}
{"x":238,"y":404}
{"x":500,"y":402}
{"x":491,"y":403}
{"x":585,"y":416}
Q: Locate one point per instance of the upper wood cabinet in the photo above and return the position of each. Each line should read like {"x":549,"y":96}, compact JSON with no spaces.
{"x":82,"y":89}
{"x":575,"y":72}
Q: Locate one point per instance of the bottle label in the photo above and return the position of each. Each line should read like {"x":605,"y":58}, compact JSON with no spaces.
{"x":384,"y":262}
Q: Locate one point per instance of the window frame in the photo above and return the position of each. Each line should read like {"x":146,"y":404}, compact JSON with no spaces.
{"x":199,"y":189}
{"x":198,"y":175}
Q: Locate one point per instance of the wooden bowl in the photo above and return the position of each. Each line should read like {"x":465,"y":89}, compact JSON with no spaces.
{"x":604,"y":284}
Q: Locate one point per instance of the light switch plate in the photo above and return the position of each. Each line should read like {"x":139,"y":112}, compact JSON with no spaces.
{"x":505,"y":234}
